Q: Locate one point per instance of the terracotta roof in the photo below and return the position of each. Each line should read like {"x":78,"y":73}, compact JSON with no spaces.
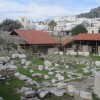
{"x":36,"y":37}
{"x":91,"y":37}
{"x":66,"y":41}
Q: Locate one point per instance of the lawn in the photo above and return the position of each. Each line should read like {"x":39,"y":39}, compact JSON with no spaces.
{"x":8,"y":91}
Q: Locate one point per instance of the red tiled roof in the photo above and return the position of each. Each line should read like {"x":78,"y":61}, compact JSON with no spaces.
{"x":36,"y":37}
{"x":66,"y":41}
{"x":91,"y":37}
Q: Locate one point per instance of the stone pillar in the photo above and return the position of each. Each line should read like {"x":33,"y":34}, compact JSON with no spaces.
{"x":97,"y":84}
{"x":98,"y":49}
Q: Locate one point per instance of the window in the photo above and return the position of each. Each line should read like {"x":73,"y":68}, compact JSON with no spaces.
{"x":92,"y":31}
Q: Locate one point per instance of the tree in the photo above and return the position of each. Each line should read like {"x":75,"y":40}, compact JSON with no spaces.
{"x":79,"y":29}
{"x":52,"y":24}
{"x":9,"y":25}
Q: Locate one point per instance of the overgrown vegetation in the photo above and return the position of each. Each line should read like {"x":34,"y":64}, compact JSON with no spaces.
{"x":9,"y":25}
{"x":78,"y":29}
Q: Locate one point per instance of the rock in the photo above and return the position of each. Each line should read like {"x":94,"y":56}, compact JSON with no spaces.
{"x":97,"y":84}
{"x":86,"y":95}
{"x":50,"y":73}
{"x":71,"y":53}
{"x":23,"y":78}
{"x":31,"y":71}
{"x":46,"y":77}
{"x":83,"y":53}
{"x":24,"y":89}
{"x":71,"y":89}
{"x":4,"y":59}
{"x":29,"y":94}
{"x":46,"y":84}
{"x":24,"y":67}
{"x":28,"y":63}
{"x":47,"y":63}
{"x":53,"y":81}
{"x":1,"y":98}
{"x":56,"y":53}
{"x":57,"y":92}
{"x":40,"y":67}
{"x":61,"y":85}
{"x":22,"y":56}
{"x":17,"y":74}
{"x":23,"y":61}
{"x":15,"y":55}
{"x":61,"y":53}
{"x":97,"y":63}
{"x":37,"y":74}
{"x":42,"y":92}
{"x":66,"y":67}
{"x":56,"y":65}
{"x":60,"y":78}
{"x":85,"y":70}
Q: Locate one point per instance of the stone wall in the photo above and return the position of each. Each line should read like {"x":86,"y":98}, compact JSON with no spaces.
{"x":85,"y":48}
{"x":52,"y":50}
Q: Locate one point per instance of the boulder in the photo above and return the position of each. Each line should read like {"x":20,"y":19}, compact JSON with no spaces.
{"x":61,"y":85}
{"x":66,"y":67}
{"x":61,"y":53}
{"x":40,"y":67}
{"x":61,"y":78}
{"x":86,"y":95}
{"x":29,"y":94}
{"x":17,"y":74}
{"x":57,"y":92}
{"x":71,"y":89}
{"x":28,"y":63}
{"x":37,"y":74}
{"x":56,"y":53}
{"x":25,"y":67}
{"x":4,"y":59}
{"x":50,"y":73}
{"x":97,"y":63}
{"x":24,"y":89}
{"x":15,"y":55}
{"x":53,"y":81}
{"x":23,"y":78}
{"x":46,"y":77}
{"x":42,"y":92}
{"x":85,"y":70}
{"x":22,"y":56}
{"x":56,"y":65}
{"x":31,"y":70}
{"x":47,"y":63}
{"x":23,"y":61}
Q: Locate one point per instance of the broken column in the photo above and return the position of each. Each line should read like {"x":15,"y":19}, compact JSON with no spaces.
{"x":97,"y":84}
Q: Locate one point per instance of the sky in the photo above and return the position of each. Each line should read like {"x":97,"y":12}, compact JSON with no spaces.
{"x":44,"y":9}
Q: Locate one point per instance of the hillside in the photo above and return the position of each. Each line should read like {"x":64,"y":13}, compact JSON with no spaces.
{"x":92,"y":14}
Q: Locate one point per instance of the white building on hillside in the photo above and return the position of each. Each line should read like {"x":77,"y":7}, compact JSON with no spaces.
{"x":66,"y":23}
{"x":29,"y":24}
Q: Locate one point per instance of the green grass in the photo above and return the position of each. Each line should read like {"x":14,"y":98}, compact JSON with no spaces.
{"x":95,"y":97}
{"x":35,"y":61}
{"x":8,"y":92}
{"x":95,"y":57}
